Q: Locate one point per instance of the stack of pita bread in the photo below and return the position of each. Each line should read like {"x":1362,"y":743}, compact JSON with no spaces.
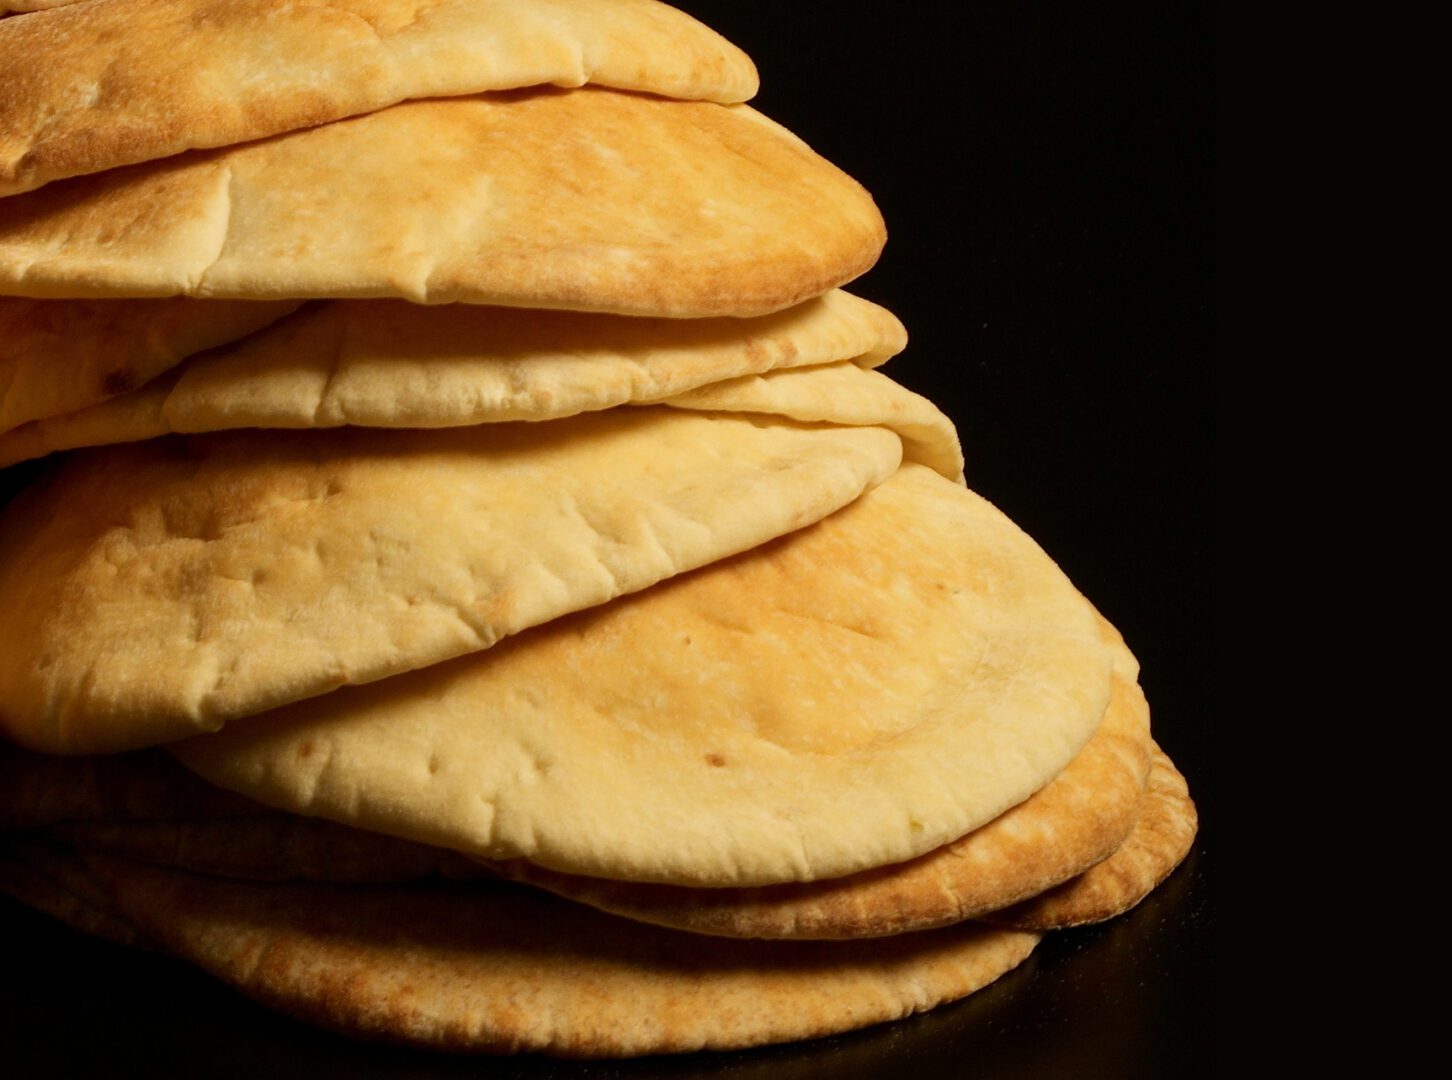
{"x":489,"y":599}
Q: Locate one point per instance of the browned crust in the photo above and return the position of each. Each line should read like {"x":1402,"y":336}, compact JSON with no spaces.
{"x":500,"y":970}
{"x":589,"y":200}
{"x":1075,"y":821}
{"x":125,"y":81}
{"x":1160,"y":841}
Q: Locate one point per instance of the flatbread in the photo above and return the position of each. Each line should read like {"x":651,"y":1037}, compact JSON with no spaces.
{"x":163,"y":588}
{"x":496,"y":969}
{"x":57,"y":356}
{"x":388,"y":363}
{"x":127,"y":81}
{"x":840,"y":393}
{"x":1161,"y":839}
{"x":1079,"y":818}
{"x":854,"y":695}
{"x":590,"y":199}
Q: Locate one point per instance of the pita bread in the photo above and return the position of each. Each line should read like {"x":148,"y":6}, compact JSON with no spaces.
{"x":163,"y":588}
{"x":62,"y":355}
{"x":1079,"y":818}
{"x":127,"y":81}
{"x":840,"y":393}
{"x":588,"y":199}
{"x":1160,"y":841}
{"x":491,"y":968}
{"x":23,"y":6}
{"x":387,"y":363}
{"x":857,"y":694}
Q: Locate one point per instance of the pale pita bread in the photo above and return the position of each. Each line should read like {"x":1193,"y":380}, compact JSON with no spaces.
{"x":1161,"y":839}
{"x":496,"y":969}
{"x":164,"y":588}
{"x":589,"y":199}
{"x":857,"y":694}
{"x":58,"y":356}
{"x":1079,"y":818}
{"x":127,"y":81}
{"x":388,"y":363}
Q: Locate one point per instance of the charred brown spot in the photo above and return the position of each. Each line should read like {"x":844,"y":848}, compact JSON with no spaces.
{"x":306,"y":749}
{"x":715,"y":759}
{"x":117,"y":383}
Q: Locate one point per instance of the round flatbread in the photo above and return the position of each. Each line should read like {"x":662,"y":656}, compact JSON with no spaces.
{"x":127,"y":81}
{"x":858,"y":694}
{"x":388,"y":363}
{"x":498,"y":969}
{"x":163,"y":588}
{"x":589,"y":199}
{"x":1079,"y":818}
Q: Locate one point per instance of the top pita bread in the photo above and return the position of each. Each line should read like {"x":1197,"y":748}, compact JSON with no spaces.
{"x":585,"y":199}
{"x":124,"y":81}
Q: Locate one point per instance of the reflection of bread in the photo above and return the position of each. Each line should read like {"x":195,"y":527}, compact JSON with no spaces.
{"x":127,"y":81}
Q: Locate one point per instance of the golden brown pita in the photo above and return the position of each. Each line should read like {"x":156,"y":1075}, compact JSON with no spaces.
{"x":162,"y":588}
{"x":589,"y":199}
{"x":857,"y":694}
{"x":388,"y":363}
{"x":497,"y":969}
{"x":58,"y":356}
{"x":1160,"y":841}
{"x":1079,"y":818}
{"x":127,"y":81}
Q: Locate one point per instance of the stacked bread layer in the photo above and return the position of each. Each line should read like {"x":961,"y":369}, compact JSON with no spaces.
{"x":619,"y":573}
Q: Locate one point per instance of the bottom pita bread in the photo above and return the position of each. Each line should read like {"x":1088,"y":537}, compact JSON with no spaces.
{"x":500,"y":969}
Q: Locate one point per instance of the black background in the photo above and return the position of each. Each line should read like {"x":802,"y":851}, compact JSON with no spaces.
{"x":1046,"y":175}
